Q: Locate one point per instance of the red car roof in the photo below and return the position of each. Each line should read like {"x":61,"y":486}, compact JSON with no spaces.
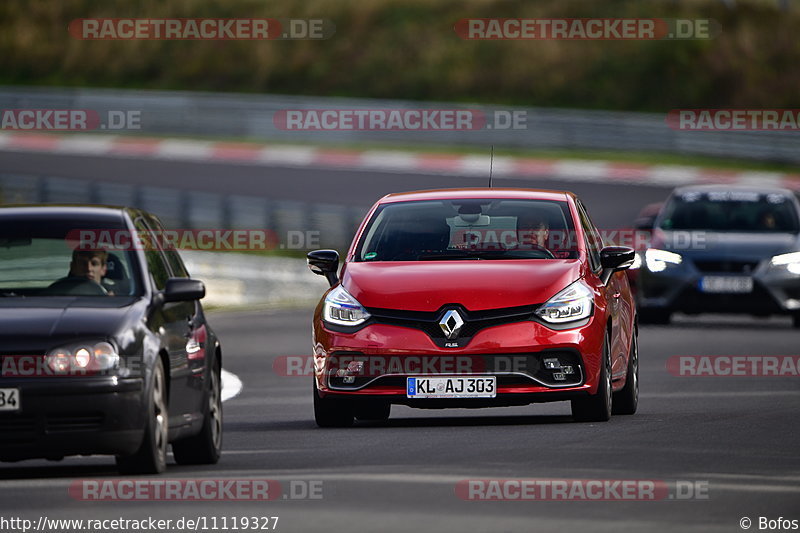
{"x":477,"y":192}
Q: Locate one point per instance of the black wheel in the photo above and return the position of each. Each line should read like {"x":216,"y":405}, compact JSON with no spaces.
{"x":655,"y":316}
{"x":373,"y":411}
{"x":332,"y":413}
{"x":626,"y":400}
{"x":597,"y":408}
{"x":204,"y":448}
{"x":151,"y":458}
{"x":796,"y":320}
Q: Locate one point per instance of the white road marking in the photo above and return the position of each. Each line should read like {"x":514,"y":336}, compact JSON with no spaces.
{"x":231,"y":385}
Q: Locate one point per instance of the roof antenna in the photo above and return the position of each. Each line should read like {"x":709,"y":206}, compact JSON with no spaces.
{"x":491,"y":163}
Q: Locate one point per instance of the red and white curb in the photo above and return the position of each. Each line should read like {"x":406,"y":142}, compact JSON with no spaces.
{"x":387,"y":160}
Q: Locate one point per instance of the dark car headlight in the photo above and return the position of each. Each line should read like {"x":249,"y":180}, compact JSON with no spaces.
{"x":83,"y":358}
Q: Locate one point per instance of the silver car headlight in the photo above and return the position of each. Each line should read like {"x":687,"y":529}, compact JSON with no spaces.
{"x":658,"y":260}
{"x":573,"y":303}
{"x":342,"y":309}
{"x":790,"y":262}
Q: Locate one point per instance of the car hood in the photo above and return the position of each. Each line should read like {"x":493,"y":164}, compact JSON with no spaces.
{"x":724,"y":245}
{"x":477,"y":285}
{"x":29,"y":324}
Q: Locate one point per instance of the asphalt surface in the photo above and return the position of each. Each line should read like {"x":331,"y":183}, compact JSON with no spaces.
{"x":733,"y":439}
{"x":611,"y":205}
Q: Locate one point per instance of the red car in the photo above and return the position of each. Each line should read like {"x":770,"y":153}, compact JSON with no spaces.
{"x":463,"y":298}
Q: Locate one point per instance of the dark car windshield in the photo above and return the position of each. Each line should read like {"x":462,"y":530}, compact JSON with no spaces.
{"x":469,"y":229}
{"x":739,"y":211}
{"x":40,"y":259}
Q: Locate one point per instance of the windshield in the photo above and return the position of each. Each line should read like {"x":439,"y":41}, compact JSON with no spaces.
{"x":741,"y":211}
{"x":37,"y":260}
{"x":469,"y":229}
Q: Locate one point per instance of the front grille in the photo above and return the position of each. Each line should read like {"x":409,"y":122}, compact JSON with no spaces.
{"x":526,"y":369}
{"x":474,"y":321}
{"x":739,"y":267}
{"x":15,"y":428}
{"x":60,"y":423}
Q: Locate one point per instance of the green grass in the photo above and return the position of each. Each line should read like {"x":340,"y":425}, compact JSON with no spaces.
{"x":408,"y":49}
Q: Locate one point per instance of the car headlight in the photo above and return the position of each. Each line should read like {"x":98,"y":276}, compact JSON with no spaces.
{"x":658,"y":260}
{"x":342,"y":309}
{"x":790,"y":262}
{"x":82,"y":358}
{"x":573,"y":303}
{"x":637,"y":261}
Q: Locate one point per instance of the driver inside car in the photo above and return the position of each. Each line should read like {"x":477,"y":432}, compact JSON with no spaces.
{"x":86,"y":267}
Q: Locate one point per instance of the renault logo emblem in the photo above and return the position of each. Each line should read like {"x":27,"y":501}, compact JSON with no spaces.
{"x":451,"y":324}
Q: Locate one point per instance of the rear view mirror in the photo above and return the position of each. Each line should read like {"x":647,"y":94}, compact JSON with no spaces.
{"x":183,"y":289}
{"x":324,"y":263}
{"x":615,"y":258}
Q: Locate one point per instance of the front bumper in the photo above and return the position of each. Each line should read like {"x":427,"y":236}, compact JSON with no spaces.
{"x":678,"y":289}
{"x":514,"y":353}
{"x":73,"y":416}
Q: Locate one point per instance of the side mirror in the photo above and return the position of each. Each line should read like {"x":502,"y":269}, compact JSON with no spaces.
{"x":324,"y":263}
{"x":615,"y":258}
{"x":183,"y":289}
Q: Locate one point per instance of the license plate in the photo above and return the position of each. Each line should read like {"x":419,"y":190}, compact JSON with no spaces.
{"x":452,"y":387}
{"x":726,"y":284}
{"x":9,"y":400}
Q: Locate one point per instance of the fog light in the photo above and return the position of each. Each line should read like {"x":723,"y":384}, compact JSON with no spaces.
{"x":355,"y":367}
{"x":552,"y":364}
{"x":349,"y":380}
{"x":567,"y":369}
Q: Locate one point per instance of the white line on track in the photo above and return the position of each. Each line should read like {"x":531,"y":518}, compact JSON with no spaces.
{"x":231,"y":385}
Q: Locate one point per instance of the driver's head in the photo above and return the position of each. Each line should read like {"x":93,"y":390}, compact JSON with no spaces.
{"x":89,"y":264}
{"x":533,"y":228}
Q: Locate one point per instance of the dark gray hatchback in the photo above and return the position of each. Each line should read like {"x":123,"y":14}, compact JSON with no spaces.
{"x":104,"y":350}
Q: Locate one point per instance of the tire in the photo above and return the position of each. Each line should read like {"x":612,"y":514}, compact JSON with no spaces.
{"x":332,"y":413}
{"x":204,"y":448}
{"x":597,"y":408}
{"x":655,"y":316}
{"x":379,"y":411}
{"x":796,"y":320}
{"x":151,"y":458}
{"x":626,"y":400}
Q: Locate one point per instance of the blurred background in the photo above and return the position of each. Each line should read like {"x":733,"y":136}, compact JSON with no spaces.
{"x":205,"y":149}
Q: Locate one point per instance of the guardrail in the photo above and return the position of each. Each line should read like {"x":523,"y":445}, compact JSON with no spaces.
{"x":294,"y":225}
{"x":251,"y":116}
